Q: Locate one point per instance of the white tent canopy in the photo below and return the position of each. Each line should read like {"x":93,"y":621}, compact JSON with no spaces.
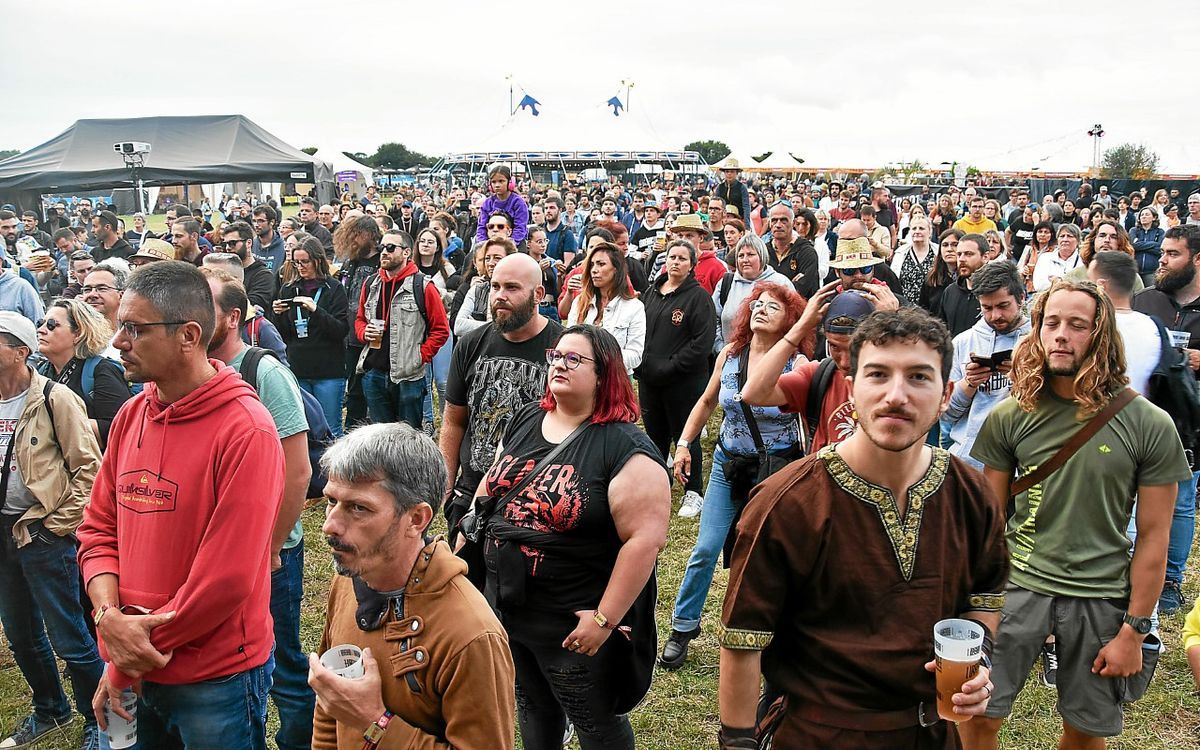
{"x":342,"y":163}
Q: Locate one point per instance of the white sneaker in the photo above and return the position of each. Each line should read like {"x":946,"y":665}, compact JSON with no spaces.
{"x":692,"y":504}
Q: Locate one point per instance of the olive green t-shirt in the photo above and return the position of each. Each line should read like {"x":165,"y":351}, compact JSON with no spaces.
{"x":1067,"y":535}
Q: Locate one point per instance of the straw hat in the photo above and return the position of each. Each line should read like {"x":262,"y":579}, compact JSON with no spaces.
{"x":855,"y":253}
{"x":729,"y":163}
{"x":155,"y":249}
{"x":688,"y":221}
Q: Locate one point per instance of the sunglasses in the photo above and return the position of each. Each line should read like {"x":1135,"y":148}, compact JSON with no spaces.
{"x":52,"y":324}
{"x":388,"y":247}
{"x":230,"y":244}
{"x":497,"y":226}
{"x":864,"y":270}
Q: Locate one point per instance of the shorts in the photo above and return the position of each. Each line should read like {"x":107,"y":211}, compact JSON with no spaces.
{"x":1081,"y":627}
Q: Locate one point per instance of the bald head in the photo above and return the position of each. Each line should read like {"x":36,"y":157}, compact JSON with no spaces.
{"x":851,"y":229}
{"x":521,"y":267}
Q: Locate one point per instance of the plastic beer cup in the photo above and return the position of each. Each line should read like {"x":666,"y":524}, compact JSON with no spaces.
{"x":957,"y":649}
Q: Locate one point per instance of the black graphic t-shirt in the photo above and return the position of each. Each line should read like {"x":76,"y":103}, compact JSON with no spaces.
{"x":494,"y":377}
{"x":569,"y":498}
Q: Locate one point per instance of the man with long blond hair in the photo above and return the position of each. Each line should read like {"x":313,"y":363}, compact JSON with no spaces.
{"x":1071,"y":575}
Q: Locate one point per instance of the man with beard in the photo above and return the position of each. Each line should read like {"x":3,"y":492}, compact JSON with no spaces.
{"x":179,"y":526}
{"x":402,"y":333}
{"x":110,"y":243}
{"x":496,"y":369}
{"x":1175,"y":301}
{"x":185,"y":236}
{"x":447,"y":677}
{"x":958,"y":306}
{"x":1072,"y":576}
{"x":259,"y":282}
{"x":983,"y":354}
{"x":842,"y":566}
{"x":280,"y":393}
{"x":268,"y":245}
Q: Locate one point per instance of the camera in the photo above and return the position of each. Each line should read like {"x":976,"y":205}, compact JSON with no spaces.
{"x":131,"y":147}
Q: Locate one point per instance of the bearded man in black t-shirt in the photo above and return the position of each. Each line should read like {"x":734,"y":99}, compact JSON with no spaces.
{"x":495,"y":370}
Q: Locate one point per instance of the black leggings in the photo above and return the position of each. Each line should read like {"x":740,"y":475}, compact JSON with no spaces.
{"x":554,"y":684}
{"x":665,"y":410}
{"x":356,"y":402}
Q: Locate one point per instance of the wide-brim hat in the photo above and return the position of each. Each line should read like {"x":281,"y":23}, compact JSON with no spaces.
{"x":688,"y":221}
{"x":855,"y":253}
{"x":155,"y":249}
{"x":729,"y":163}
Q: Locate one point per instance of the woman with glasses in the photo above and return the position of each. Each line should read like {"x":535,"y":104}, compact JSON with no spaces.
{"x":71,"y":338}
{"x":312,"y":314}
{"x":751,"y":265}
{"x":763,"y":318}
{"x":681,"y":324}
{"x":606,"y":300}
{"x":570,"y":559}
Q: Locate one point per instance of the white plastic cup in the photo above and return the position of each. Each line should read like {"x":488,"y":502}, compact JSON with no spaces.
{"x":957,"y":648}
{"x":344,"y":661}
{"x":378,"y":324}
{"x":121,"y":733}
{"x":1179,"y":339}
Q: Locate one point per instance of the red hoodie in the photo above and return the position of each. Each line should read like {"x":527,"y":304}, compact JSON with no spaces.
{"x":438,"y":331}
{"x":182,"y":512}
{"x":710,"y":270}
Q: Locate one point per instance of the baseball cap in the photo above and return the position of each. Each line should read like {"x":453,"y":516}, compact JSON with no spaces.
{"x":850,"y":304}
{"x":18,"y":325}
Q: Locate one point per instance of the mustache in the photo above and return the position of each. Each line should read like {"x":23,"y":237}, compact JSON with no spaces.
{"x":338,"y":544}
{"x":895,"y":413}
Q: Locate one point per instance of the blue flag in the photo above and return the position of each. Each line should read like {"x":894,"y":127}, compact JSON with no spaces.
{"x":616,"y":104}
{"x":529,"y":101}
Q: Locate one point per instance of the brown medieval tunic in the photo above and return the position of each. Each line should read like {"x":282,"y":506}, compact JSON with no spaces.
{"x":841,"y":593}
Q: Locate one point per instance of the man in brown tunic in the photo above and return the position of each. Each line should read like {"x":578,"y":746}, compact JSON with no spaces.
{"x":846,"y":560}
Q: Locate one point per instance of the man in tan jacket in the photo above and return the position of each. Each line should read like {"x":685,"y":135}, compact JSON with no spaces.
{"x":50,"y":461}
{"x":437,"y":669}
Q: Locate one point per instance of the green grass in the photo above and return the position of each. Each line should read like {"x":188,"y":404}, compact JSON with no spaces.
{"x":681,"y":709}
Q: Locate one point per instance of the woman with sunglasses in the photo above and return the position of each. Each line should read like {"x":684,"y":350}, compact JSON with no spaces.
{"x":312,"y":315}
{"x":570,"y":559}
{"x":71,"y":338}
{"x":763,"y":318}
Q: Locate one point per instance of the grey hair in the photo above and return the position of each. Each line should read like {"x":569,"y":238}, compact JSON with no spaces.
{"x":1070,"y":229}
{"x":684,"y":244}
{"x":753,"y":240}
{"x":119,"y":269}
{"x":403,"y":460}
{"x":178,"y":291}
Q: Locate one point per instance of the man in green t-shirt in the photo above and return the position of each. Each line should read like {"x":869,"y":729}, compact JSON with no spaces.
{"x":1071,"y":574}
{"x":280,"y":393}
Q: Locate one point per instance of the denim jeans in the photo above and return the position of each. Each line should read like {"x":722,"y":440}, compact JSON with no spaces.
{"x":225,"y":713}
{"x":1183,"y":529}
{"x":330,"y":392}
{"x":293,"y":697}
{"x":39,"y":597}
{"x":554,"y":684}
{"x":393,"y":402}
{"x":435,"y":376}
{"x":714,"y":526}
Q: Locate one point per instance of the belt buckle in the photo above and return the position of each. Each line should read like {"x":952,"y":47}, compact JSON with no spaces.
{"x":921,"y":710}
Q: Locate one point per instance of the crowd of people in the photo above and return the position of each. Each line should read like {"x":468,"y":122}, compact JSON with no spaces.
{"x":946,"y":408}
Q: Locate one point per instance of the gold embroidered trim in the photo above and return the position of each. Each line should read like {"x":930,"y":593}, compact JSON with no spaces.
{"x":986,"y":602}
{"x":904,"y":533}
{"x":744,"y":640}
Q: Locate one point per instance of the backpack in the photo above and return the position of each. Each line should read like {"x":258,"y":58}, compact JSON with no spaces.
{"x":1173,"y":389}
{"x":726,"y":285}
{"x":816,"y":396}
{"x":319,"y":434}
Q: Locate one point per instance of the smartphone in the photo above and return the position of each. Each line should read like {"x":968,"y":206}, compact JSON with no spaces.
{"x":999,"y":358}
{"x":985,"y":362}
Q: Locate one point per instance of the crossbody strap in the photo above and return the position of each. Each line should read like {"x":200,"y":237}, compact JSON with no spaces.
{"x":1077,"y":441}
{"x":743,"y":368}
{"x":554,"y":453}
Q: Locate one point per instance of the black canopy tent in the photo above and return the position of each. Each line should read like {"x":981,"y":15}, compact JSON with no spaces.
{"x":184,"y":150}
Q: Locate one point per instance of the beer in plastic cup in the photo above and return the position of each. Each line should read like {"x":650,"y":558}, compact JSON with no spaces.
{"x":344,"y":661}
{"x":660,"y":239}
{"x":378,"y":324}
{"x":957,"y":649}
{"x":122,"y":733}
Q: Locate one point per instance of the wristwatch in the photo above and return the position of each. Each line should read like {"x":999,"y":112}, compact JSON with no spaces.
{"x":1140,"y":624}
{"x":683,"y":444}
{"x":374,"y":734}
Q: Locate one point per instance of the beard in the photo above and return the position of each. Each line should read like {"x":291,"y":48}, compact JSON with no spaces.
{"x":896,"y":441}
{"x":1170,"y":282}
{"x":518,"y":316}
{"x":218,"y":338}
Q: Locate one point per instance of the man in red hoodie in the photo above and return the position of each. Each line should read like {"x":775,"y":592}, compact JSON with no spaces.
{"x":175,"y":544}
{"x":402,"y":332}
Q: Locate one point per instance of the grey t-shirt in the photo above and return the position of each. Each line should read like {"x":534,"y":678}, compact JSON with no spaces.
{"x":18,"y":500}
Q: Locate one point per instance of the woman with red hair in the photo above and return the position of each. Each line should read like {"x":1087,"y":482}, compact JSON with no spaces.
{"x":570,"y":558}
{"x":763,"y":318}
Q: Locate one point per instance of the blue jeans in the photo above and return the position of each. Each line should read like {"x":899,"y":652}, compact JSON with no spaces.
{"x":293,"y":697}
{"x":1183,"y":529}
{"x":39,"y":596}
{"x":225,"y":713}
{"x":714,"y":526}
{"x":393,"y":402}
{"x":329,"y":392}
{"x":436,"y":375}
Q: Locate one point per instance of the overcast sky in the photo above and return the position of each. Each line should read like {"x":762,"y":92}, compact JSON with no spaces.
{"x":1003,"y":85}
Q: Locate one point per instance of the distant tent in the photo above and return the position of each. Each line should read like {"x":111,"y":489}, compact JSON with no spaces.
{"x":184,"y":150}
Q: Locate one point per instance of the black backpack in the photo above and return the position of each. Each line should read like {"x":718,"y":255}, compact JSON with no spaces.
{"x":1173,"y":389}
{"x":816,"y":396}
{"x":726,"y":285}
{"x":319,"y":434}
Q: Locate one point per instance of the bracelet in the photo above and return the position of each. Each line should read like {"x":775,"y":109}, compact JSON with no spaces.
{"x":607,"y":624}
{"x":789,"y":343}
{"x":374,"y":734}
{"x":99,"y":614}
{"x":735,"y":738}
